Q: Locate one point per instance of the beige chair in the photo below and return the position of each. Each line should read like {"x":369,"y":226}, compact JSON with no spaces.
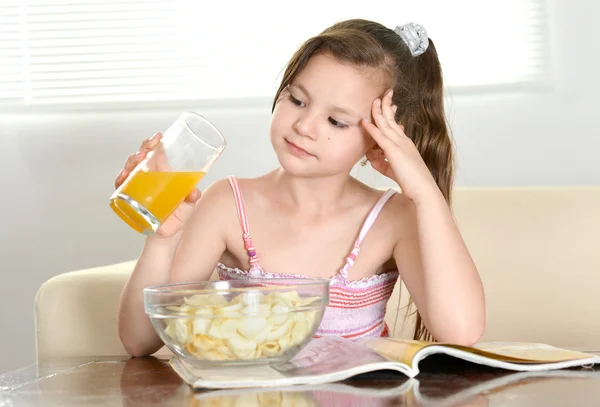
{"x":76,"y":312}
{"x":536,"y":250}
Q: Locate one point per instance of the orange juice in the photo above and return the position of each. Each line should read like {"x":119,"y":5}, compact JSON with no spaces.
{"x":158,"y":192}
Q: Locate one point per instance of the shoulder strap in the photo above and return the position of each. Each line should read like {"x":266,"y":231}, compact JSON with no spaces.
{"x":241,"y":210}
{"x":373,"y":214}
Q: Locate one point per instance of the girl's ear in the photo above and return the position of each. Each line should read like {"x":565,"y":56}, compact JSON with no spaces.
{"x":375,"y":150}
{"x":372,"y":154}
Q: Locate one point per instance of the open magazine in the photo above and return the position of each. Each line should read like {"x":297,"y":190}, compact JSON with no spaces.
{"x":331,"y":359}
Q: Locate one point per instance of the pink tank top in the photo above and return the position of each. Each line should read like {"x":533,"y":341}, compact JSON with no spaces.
{"x":356,"y":308}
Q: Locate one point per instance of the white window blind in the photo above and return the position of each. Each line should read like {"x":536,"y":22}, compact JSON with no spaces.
{"x":106,"y":51}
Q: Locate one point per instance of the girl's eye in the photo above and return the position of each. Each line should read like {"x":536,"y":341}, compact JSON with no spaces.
{"x":333,"y":122}
{"x":337,"y":124}
{"x":294,"y":100}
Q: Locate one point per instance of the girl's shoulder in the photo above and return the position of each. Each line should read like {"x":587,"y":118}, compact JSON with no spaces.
{"x":218,"y":197}
{"x":397,"y":201}
{"x":223,"y":186}
{"x":221,"y":192}
{"x":397,"y":214}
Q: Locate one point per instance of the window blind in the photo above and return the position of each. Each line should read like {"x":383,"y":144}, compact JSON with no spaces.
{"x":106,"y":51}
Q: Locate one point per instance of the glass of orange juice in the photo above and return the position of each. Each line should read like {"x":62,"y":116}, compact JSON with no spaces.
{"x":169,"y":173}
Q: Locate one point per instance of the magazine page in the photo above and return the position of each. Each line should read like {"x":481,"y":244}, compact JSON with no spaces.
{"x":526,"y":352}
{"x":408,"y":351}
{"x":395,"y":349}
{"x":506,"y":362}
{"x":323,"y":360}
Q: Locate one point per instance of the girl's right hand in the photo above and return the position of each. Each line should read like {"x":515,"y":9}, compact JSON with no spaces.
{"x":174,"y":223}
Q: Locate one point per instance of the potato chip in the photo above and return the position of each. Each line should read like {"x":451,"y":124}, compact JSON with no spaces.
{"x":251,"y":327}
{"x":241,"y":347}
{"x":252,"y":297}
{"x":230,"y":311}
{"x":182,"y":331}
{"x":280,"y":331}
{"x":292,"y":296}
{"x":231,"y":308}
{"x":270,"y":349}
{"x":203,"y":311}
{"x":223,"y":328}
{"x":281,"y":307}
{"x":170,"y":329}
{"x":278,"y":319}
{"x":256,"y":309}
{"x":224,"y":349}
{"x":213,"y":355}
{"x":205,"y":342}
{"x":200,"y":326}
{"x":284,"y":342}
{"x":299,"y":332}
{"x":206,"y":299}
{"x":262,"y":336}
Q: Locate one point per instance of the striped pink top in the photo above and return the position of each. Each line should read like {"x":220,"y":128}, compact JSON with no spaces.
{"x":356,"y":308}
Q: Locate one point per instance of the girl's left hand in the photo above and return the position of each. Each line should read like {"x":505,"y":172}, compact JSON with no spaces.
{"x":398,"y":157}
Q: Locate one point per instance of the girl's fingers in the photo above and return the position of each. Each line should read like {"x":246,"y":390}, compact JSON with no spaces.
{"x":120,"y":178}
{"x":149,"y":143}
{"x":133,"y":160}
{"x":387,"y":108}
{"x":193,"y":196}
{"x":378,"y":116}
{"x":389,"y":113}
{"x":380,"y":138}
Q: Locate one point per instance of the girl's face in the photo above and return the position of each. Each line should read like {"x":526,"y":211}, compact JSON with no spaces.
{"x":315,"y":128}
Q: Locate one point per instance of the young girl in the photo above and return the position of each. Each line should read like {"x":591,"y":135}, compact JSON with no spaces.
{"x":358,"y":89}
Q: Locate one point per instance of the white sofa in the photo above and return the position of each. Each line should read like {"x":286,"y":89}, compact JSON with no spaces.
{"x":537,"y":250}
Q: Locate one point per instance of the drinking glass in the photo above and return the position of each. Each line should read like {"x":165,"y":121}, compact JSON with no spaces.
{"x":170,"y":171}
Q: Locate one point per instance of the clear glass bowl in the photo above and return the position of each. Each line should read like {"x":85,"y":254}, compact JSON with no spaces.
{"x":237,"y":322}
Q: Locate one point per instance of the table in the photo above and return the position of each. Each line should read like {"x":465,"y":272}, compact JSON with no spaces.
{"x":150,"y":381}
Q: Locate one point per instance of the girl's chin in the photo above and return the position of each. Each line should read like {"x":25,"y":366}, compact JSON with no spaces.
{"x":299,"y":167}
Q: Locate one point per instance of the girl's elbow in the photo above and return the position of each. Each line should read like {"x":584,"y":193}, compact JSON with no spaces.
{"x":464,"y":333}
{"x":137,"y":352}
{"x":135,"y":348}
{"x":470,"y":338}
{"x":470,"y":334}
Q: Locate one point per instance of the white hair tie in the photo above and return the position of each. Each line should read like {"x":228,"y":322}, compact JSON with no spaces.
{"x":415,"y":37}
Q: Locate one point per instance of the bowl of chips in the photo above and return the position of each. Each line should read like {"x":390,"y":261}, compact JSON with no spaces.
{"x":237,"y":322}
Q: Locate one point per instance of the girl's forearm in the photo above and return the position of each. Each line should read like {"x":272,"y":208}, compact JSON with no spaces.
{"x":153,"y":267}
{"x":453,"y":290}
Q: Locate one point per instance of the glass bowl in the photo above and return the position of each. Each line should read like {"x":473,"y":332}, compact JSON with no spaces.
{"x":237,"y":322}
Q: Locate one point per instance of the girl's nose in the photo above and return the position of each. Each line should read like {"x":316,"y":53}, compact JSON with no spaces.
{"x":304,"y":126}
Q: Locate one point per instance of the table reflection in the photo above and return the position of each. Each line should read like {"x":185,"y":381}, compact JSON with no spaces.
{"x":151,"y":381}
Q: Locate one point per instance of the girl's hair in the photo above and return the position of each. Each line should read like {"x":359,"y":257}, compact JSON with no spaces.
{"x":418,"y":92}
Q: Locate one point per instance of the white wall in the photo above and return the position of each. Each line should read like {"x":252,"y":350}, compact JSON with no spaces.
{"x":58,"y":168}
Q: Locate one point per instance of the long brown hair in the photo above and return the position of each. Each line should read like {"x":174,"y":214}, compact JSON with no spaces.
{"x":418,"y":92}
